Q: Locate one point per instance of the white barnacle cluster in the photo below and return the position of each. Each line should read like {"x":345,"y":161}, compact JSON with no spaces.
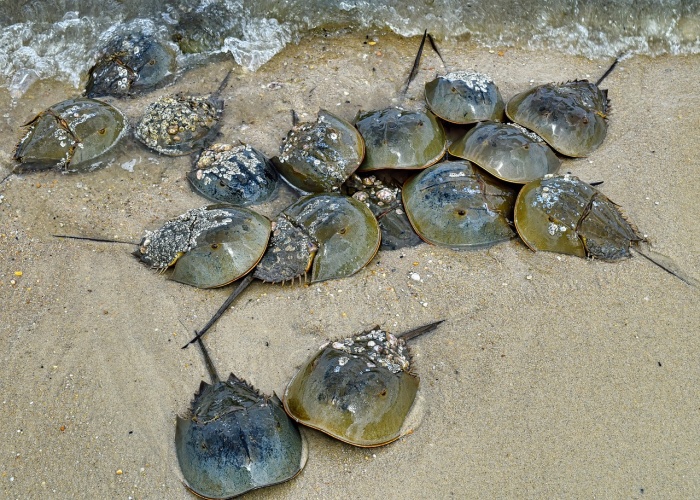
{"x":527,"y":133}
{"x":224,"y":161}
{"x":473,"y":80}
{"x":308,"y":142}
{"x":162,"y":247}
{"x":378,"y":347}
{"x":546,"y":198}
{"x":167,"y":118}
{"x":372,"y":189}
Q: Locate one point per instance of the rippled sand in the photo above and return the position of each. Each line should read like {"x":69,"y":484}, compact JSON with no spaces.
{"x":552,"y":376}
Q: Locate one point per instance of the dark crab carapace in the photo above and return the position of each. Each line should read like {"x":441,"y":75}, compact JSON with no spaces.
{"x":130,"y":64}
{"x":239,"y":175}
{"x":319,"y":156}
{"x":69,"y":135}
{"x":235,"y":439}
{"x":571,"y":117}
{"x":507,"y":151}
{"x":563,"y":214}
{"x":464,"y":97}
{"x":180,"y":124}
{"x":457,"y":205}
{"x":399,"y":139}
{"x":345,"y":231}
{"x":358,"y":389}
{"x":209,"y":246}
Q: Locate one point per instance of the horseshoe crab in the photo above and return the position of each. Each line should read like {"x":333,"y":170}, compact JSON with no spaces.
{"x":571,"y":117}
{"x":128,"y":65}
{"x":319,"y":156}
{"x":70,"y":134}
{"x":358,"y":389}
{"x":235,"y":439}
{"x":399,"y":139}
{"x":239,"y":175}
{"x":464,"y":97}
{"x":209,"y":246}
{"x":507,"y":151}
{"x":563,"y":214}
{"x":178,"y":125}
{"x":457,"y":205}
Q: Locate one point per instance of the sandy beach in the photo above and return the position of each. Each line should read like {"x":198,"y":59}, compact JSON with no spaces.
{"x":552,"y":376}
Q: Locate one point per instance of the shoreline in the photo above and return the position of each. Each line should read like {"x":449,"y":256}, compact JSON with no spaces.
{"x":552,"y":376}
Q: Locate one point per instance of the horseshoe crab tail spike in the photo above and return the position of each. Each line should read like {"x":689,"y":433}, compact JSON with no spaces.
{"x":437,"y":51}
{"x":609,"y":70}
{"x":411,"y":334}
{"x":213,"y":375}
{"x":416,"y":63}
{"x":88,"y":238}
{"x":239,"y":289}
{"x":666,"y":263}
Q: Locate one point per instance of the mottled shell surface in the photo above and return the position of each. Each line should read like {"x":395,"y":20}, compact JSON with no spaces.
{"x":289,"y":255}
{"x":239,"y":175}
{"x":457,"y":205}
{"x":204,"y":29}
{"x":69,"y":135}
{"x":358,"y":389}
{"x":566,"y":215}
{"x":235,"y":440}
{"x":130,"y":64}
{"x":400,"y":139}
{"x":345,"y":231}
{"x":384,"y":200}
{"x":209,"y":246}
{"x":507,"y":151}
{"x":319,"y":156}
{"x":179,"y":124}
{"x":464,"y":97}
{"x":571,"y":117}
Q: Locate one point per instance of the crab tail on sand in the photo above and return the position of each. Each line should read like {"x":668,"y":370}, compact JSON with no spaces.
{"x":236,"y":292}
{"x":89,"y":238}
{"x":213,"y":374}
{"x":665,"y":263}
{"x":418,"y":331}
{"x":608,"y":71}
{"x":416,"y":64}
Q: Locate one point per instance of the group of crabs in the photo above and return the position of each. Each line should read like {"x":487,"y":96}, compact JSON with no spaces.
{"x":358,"y":389}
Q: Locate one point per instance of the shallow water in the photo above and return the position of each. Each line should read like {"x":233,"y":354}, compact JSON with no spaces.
{"x":42,"y":39}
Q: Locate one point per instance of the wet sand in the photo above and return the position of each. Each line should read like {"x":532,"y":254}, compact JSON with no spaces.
{"x":552,"y":376}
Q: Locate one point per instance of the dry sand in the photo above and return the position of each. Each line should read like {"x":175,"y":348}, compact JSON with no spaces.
{"x":552,"y":376}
